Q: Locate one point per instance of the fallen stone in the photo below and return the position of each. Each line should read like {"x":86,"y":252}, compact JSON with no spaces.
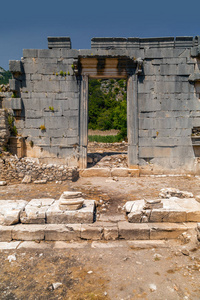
{"x":27,"y":179}
{"x":35,"y":211}
{"x":10,"y":211}
{"x":56,"y":285}
{"x":43,"y":181}
{"x":172,"y":192}
{"x":11,"y":258}
{"x":2,"y":183}
{"x":185,"y":252}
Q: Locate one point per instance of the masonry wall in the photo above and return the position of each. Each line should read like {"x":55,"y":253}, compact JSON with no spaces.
{"x":168,"y":102}
{"x":168,"y":92}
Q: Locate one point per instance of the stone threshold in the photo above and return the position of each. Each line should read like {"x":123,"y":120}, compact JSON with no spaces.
{"x":109,"y":172}
{"x":106,"y":231}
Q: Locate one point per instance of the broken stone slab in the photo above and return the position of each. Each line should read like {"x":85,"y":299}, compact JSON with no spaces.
{"x":172,"y":192}
{"x":61,"y":232}
{"x":160,"y":231}
{"x":5,"y":233}
{"x":152,"y":204}
{"x":35,"y":211}
{"x":91,"y":232}
{"x":132,"y":231}
{"x":27,"y":179}
{"x":10,"y":211}
{"x":2,"y":183}
{"x":85,"y":214}
{"x":31,"y":232}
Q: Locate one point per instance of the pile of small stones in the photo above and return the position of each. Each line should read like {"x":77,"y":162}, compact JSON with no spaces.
{"x":28,"y":170}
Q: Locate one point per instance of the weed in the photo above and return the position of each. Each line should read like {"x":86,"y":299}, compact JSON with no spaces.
{"x":68,"y":73}
{"x":56,"y":74}
{"x":61,"y":73}
{"x":72,"y":66}
{"x":51,"y":108}
{"x":12,"y":127}
{"x":42,"y":127}
{"x":14,"y":95}
{"x":31,"y":144}
{"x":65,"y":73}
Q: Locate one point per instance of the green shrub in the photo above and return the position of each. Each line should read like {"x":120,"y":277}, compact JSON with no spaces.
{"x":105,"y":139}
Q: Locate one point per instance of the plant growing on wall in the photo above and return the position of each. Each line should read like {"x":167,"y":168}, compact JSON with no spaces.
{"x":51,"y":108}
{"x":42,"y":127}
{"x":12,"y":127}
{"x":61,"y":73}
{"x":14,"y":95}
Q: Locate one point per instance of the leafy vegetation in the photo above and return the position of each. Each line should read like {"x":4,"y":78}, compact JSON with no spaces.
{"x":105,"y":139}
{"x":12,"y":127}
{"x":108,"y":105}
{"x":4,"y":76}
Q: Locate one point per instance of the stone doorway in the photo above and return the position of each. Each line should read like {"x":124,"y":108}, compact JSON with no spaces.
{"x":102,"y":68}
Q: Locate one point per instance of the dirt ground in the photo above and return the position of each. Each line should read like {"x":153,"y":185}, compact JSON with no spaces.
{"x":109,"y":270}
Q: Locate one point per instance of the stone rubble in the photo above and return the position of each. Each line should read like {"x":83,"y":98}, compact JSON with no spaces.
{"x":10,"y":211}
{"x":172,"y":192}
{"x":26,"y":170}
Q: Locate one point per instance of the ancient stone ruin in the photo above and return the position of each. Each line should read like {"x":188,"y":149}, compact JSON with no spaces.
{"x":49,"y":101}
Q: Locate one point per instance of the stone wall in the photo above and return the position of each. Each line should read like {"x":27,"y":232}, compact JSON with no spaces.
{"x":14,"y":170}
{"x":4,"y":130}
{"x":48,"y":92}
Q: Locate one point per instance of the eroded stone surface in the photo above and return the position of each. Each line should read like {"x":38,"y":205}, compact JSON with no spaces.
{"x":83,"y":215}
{"x":10,"y":211}
{"x":174,"y":210}
{"x":35,"y":211}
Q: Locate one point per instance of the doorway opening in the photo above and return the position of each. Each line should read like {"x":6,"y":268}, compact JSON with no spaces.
{"x":107,"y":123}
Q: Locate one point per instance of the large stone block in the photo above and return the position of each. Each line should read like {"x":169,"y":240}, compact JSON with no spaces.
{"x":30,"y":53}
{"x":162,"y":231}
{"x":5,"y":233}
{"x":28,"y":232}
{"x":35,"y":211}
{"x":131,"y":231}
{"x":62,"y":232}
{"x":91,"y":232}
{"x":15,"y":85}
{"x":82,"y":215}
{"x":10,"y":211}
{"x":15,"y":66}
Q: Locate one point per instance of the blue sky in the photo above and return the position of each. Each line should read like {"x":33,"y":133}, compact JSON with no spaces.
{"x":26,"y":24}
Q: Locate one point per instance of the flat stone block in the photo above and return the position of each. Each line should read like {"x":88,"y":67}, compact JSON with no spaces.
{"x":9,"y":245}
{"x":160,"y":231}
{"x":34,"y":245}
{"x":10,"y":211}
{"x":119,"y":172}
{"x":159,"y":215}
{"x":133,"y":172}
{"x":91,"y":232}
{"x":61,"y":232}
{"x":5,"y":233}
{"x":28,"y":232}
{"x":82,"y":215}
{"x":71,"y":245}
{"x":193,"y":216}
{"x":131,"y":231}
{"x":95,"y":172}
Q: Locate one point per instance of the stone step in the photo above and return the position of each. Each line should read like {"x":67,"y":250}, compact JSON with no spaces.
{"x":107,"y":172}
{"x":121,"y":230}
